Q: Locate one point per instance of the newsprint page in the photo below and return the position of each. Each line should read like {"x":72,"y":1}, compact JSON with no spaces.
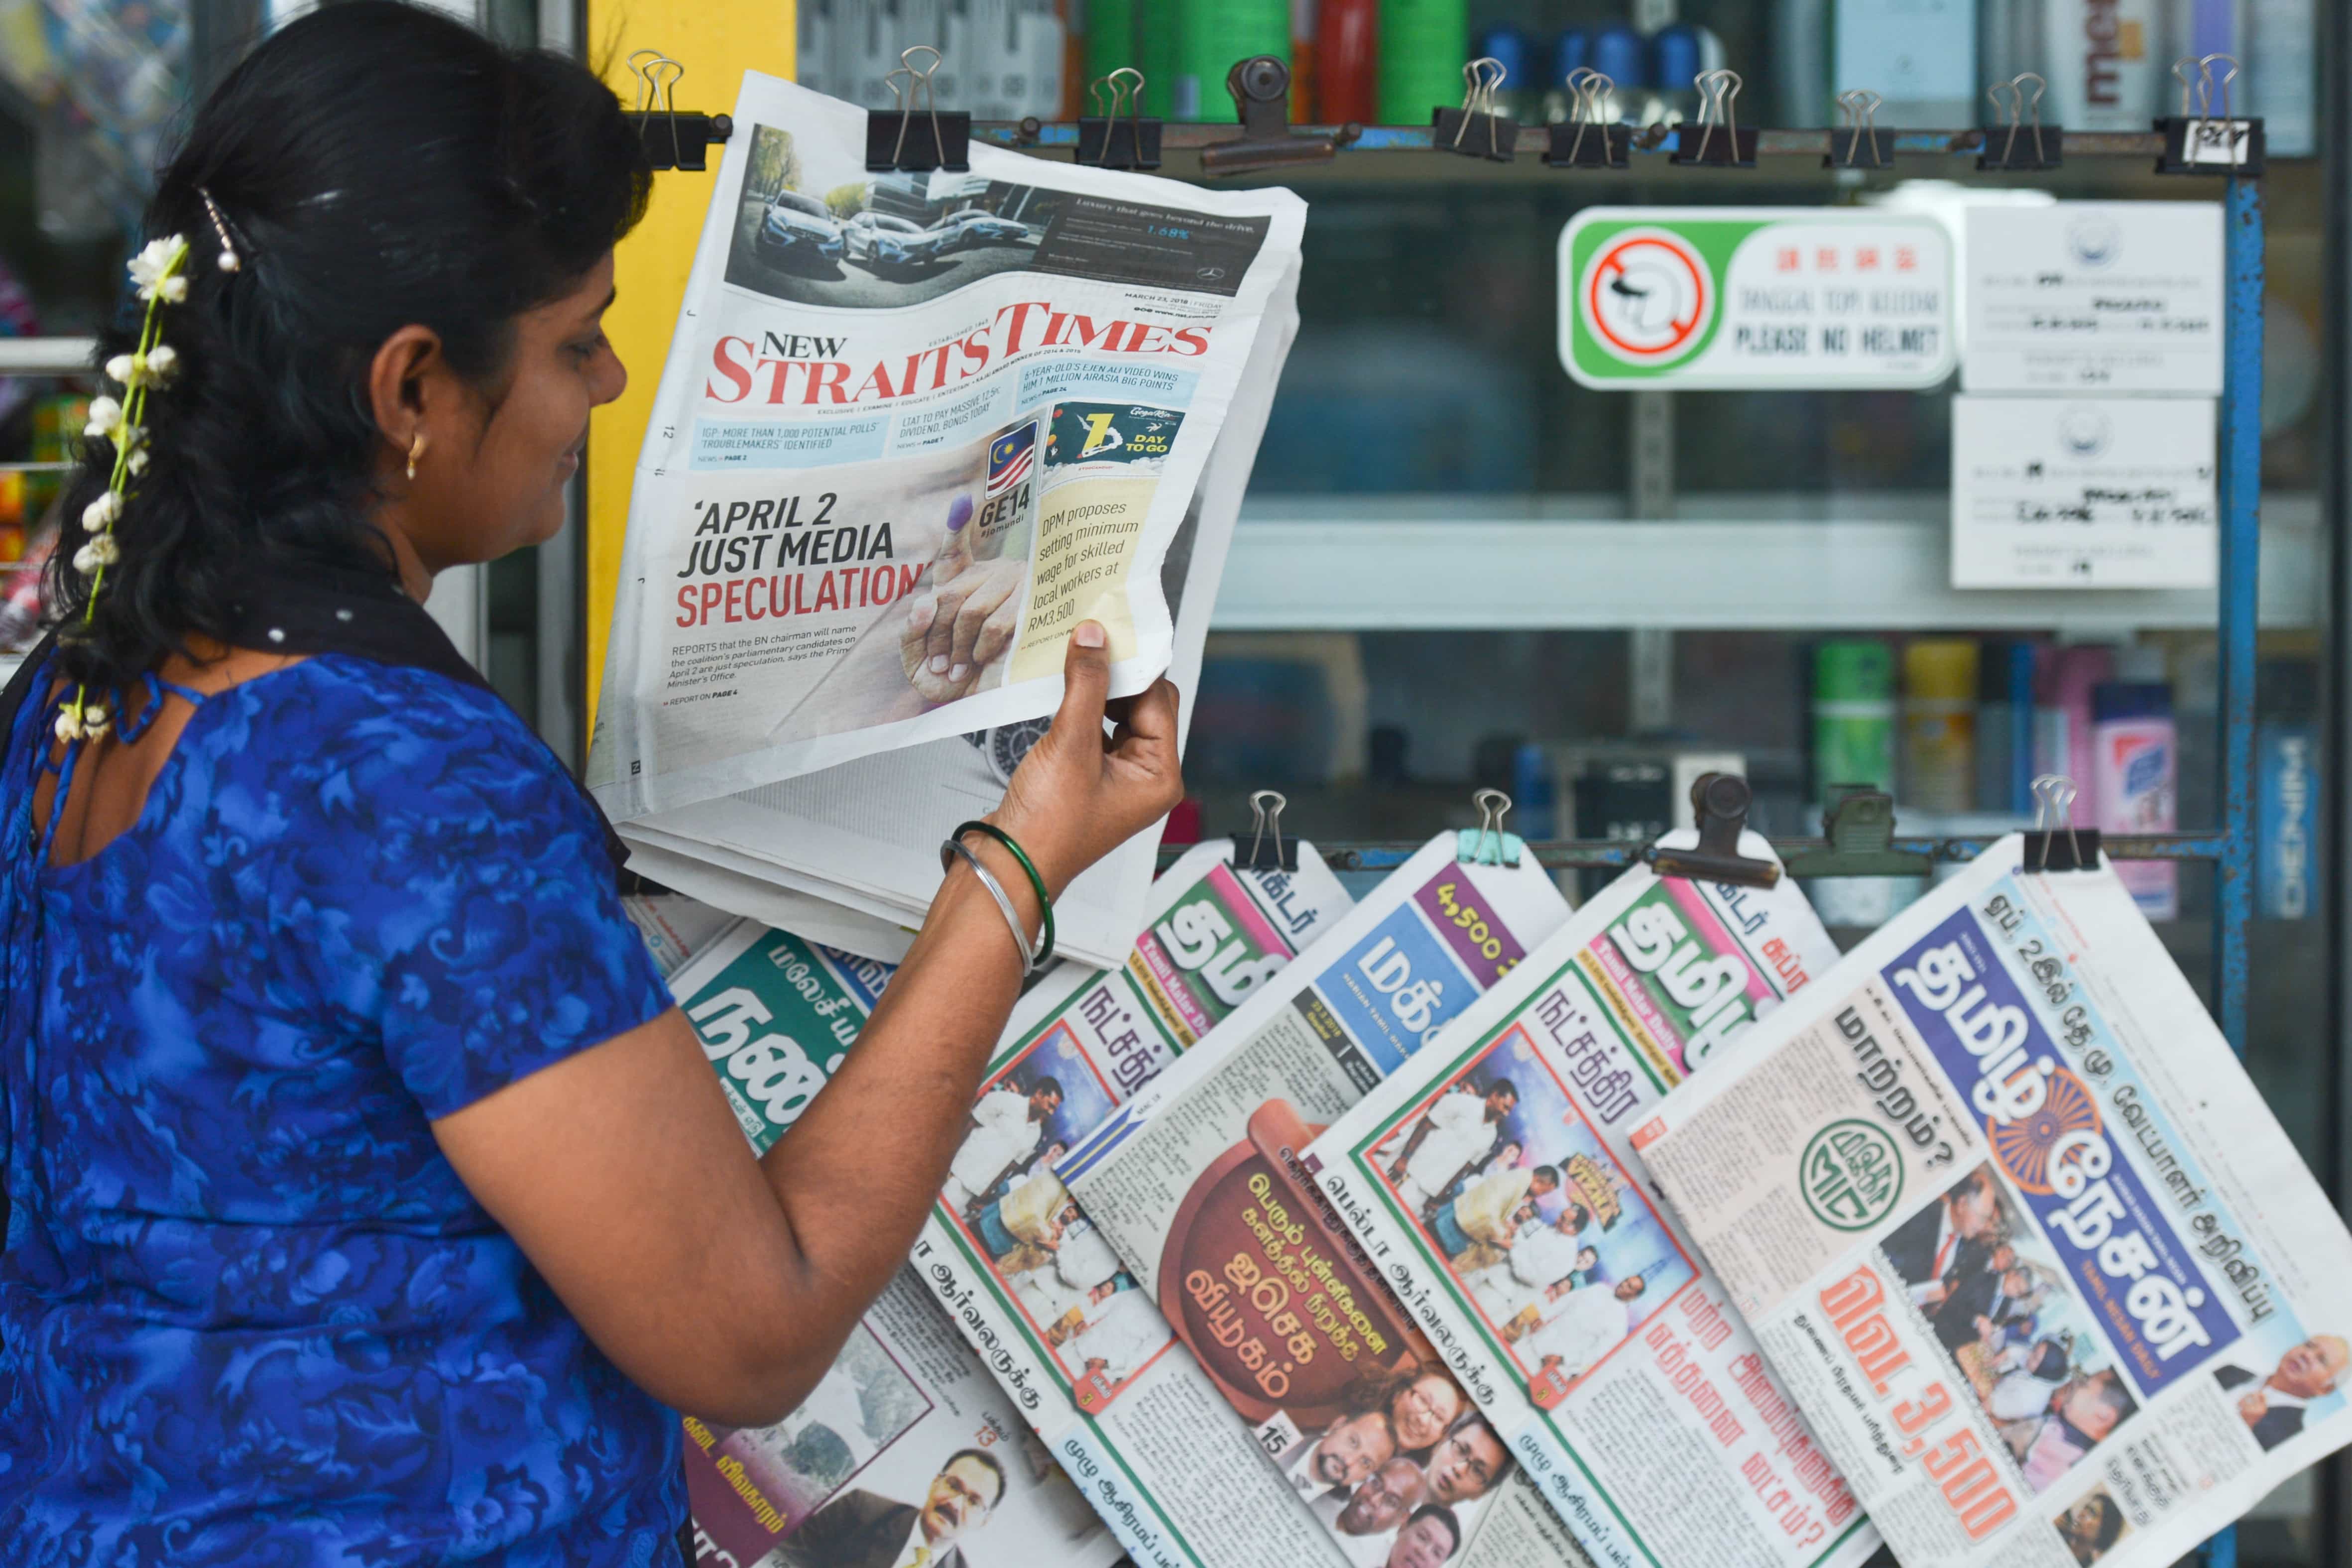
{"x":1195,"y":1186}
{"x":912,"y":429}
{"x":1492,"y":1181}
{"x":2016,"y":1230}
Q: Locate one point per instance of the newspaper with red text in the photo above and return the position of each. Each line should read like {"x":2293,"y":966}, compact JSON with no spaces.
{"x":1493,"y":1181}
{"x":913,"y":428}
{"x":2017,"y":1232}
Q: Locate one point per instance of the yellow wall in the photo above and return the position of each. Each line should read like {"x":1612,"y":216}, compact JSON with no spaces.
{"x":715,"y":41}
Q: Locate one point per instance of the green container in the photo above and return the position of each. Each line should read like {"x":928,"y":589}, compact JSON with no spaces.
{"x":1853,"y":715}
{"x":1423,"y":44}
{"x":1154,"y":24}
{"x":1211,"y":35}
{"x":1111,"y":44}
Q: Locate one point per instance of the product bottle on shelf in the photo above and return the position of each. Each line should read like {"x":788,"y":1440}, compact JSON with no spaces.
{"x":1623,"y":55}
{"x":2005,"y":727}
{"x":1423,"y":44}
{"x":2134,"y":774}
{"x":1156,"y":24}
{"x":2107,"y":63}
{"x":1306,"y":62}
{"x":1211,"y":34}
{"x":1570,"y":52}
{"x":1110,"y":39}
{"x":1940,"y":702}
{"x":2061,"y":715}
{"x":1348,"y":61}
{"x":1521,"y":95}
{"x":1677,"y":55}
{"x":1853,"y":744}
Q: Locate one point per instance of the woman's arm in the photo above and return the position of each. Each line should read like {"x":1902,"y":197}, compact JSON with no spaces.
{"x":724,"y":1285}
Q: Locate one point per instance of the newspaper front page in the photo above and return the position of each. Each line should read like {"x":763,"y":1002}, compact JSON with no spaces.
{"x":1493,"y":1181}
{"x":2016,"y":1230}
{"x":1196,"y":1186}
{"x":912,"y":429}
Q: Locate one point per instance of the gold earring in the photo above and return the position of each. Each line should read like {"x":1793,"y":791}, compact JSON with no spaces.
{"x":416,"y":450}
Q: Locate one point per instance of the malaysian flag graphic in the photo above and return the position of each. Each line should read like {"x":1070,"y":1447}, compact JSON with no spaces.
{"x":1009,"y":458}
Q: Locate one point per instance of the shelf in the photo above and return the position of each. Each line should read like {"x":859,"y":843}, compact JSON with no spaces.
{"x":1429,"y":564}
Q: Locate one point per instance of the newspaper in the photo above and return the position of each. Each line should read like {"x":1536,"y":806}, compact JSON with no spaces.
{"x":1589,"y":1332}
{"x":1195,"y":1185}
{"x":1037,"y":1289}
{"x":2017,"y":1231}
{"x":911,"y":430}
{"x":905,"y":1436}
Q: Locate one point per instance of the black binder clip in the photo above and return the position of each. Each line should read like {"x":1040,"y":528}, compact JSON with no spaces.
{"x":1479,"y":128}
{"x":2056,"y":843}
{"x":1117,"y":136}
{"x":917,"y":137}
{"x":2024,"y":143}
{"x":1858,"y":827}
{"x":671,"y":139}
{"x":1268,"y":849}
{"x":1260,"y":87}
{"x":1719,"y":802}
{"x":1590,"y":138}
{"x":2206,"y":141}
{"x":1720,"y":140}
{"x":1859,"y":143}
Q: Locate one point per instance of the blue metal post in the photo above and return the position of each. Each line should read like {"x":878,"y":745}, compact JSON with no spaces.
{"x":2241,"y":486}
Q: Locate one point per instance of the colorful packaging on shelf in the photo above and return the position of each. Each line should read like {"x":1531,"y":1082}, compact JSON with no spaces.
{"x":2017,"y":1232}
{"x":1939,"y":723}
{"x":2286,"y":789}
{"x":2134,"y":783}
{"x":1528,"y":1246}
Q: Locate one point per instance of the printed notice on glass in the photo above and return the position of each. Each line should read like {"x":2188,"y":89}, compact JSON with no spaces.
{"x":2095,"y":297}
{"x":2111,"y":492}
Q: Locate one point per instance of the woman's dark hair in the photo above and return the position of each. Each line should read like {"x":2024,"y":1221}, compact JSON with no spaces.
{"x":378,"y":166}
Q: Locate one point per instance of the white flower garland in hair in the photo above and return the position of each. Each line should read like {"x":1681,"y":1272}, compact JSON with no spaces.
{"x":156,"y":273}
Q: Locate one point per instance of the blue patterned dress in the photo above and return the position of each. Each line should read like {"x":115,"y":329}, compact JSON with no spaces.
{"x":249,"y":1314}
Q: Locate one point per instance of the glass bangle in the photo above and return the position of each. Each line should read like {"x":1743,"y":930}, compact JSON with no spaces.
{"x":1036,"y":882}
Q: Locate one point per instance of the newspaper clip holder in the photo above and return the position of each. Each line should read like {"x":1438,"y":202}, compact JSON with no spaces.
{"x":1858,"y":829}
{"x":1260,"y":87}
{"x":1719,"y":802}
{"x":2024,"y":143}
{"x":2055,"y":843}
{"x":1479,"y":128}
{"x":1859,"y":143}
{"x":1487,"y":844}
{"x":1718,"y":141}
{"x":1269,"y":849}
{"x":1117,"y":136}
{"x":2206,"y":140}
{"x":917,"y":136}
{"x":1587,"y":138}
{"x":671,"y":139}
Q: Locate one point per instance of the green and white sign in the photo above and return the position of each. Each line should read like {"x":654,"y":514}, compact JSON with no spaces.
{"x":1785,"y":298}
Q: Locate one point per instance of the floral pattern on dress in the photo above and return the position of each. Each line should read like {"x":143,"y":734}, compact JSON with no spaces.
{"x":248,"y":1314}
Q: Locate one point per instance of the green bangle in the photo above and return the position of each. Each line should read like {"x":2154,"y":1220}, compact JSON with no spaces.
{"x":1036,"y":882}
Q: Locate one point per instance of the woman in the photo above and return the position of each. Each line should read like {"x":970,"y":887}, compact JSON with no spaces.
{"x":371,"y":1202}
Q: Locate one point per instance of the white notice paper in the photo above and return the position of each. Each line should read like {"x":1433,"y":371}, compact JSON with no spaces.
{"x":2095,"y":297}
{"x":2051,"y":493}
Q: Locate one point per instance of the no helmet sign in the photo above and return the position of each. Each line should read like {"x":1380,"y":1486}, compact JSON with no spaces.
{"x":1767,"y":297}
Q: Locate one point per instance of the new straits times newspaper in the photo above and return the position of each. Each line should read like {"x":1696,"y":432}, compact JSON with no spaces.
{"x":2015,"y":1228}
{"x":912,"y":429}
{"x":1492,"y":1181}
{"x":905,"y":1436}
{"x":1286,"y":1342}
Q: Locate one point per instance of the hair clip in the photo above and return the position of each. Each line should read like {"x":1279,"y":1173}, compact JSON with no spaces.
{"x":228,"y":257}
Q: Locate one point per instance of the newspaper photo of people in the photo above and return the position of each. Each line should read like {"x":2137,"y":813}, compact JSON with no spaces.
{"x":1994,"y":1297}
{"x":1004,"y":1195}
{"x":2278,"y":1391}
{"x":1409,"y":1447}
{"x":2096,"y":1522}
{"x":816,"y":229}
{"x":1555,"y":1245}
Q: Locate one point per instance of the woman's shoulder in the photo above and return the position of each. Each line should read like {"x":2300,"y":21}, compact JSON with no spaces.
{"x":349,"y":728}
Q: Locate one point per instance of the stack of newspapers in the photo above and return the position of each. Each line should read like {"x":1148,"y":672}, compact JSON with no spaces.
{"x":914,"y":428}
{"x":1451,"y":1227}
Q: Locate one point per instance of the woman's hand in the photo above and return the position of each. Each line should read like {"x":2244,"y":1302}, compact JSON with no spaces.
{"x":1081,"y":794}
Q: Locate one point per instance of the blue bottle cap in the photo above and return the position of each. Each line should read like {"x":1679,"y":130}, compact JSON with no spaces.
{"x":2114,"y":699}
{"x":1572,"y":52}
{"x":1622,"y":56}
{"x":1510,"y":48}
{"x":1681,"y":54}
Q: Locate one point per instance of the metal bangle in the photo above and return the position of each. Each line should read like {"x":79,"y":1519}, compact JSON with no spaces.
{"x":1004,"y":901}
